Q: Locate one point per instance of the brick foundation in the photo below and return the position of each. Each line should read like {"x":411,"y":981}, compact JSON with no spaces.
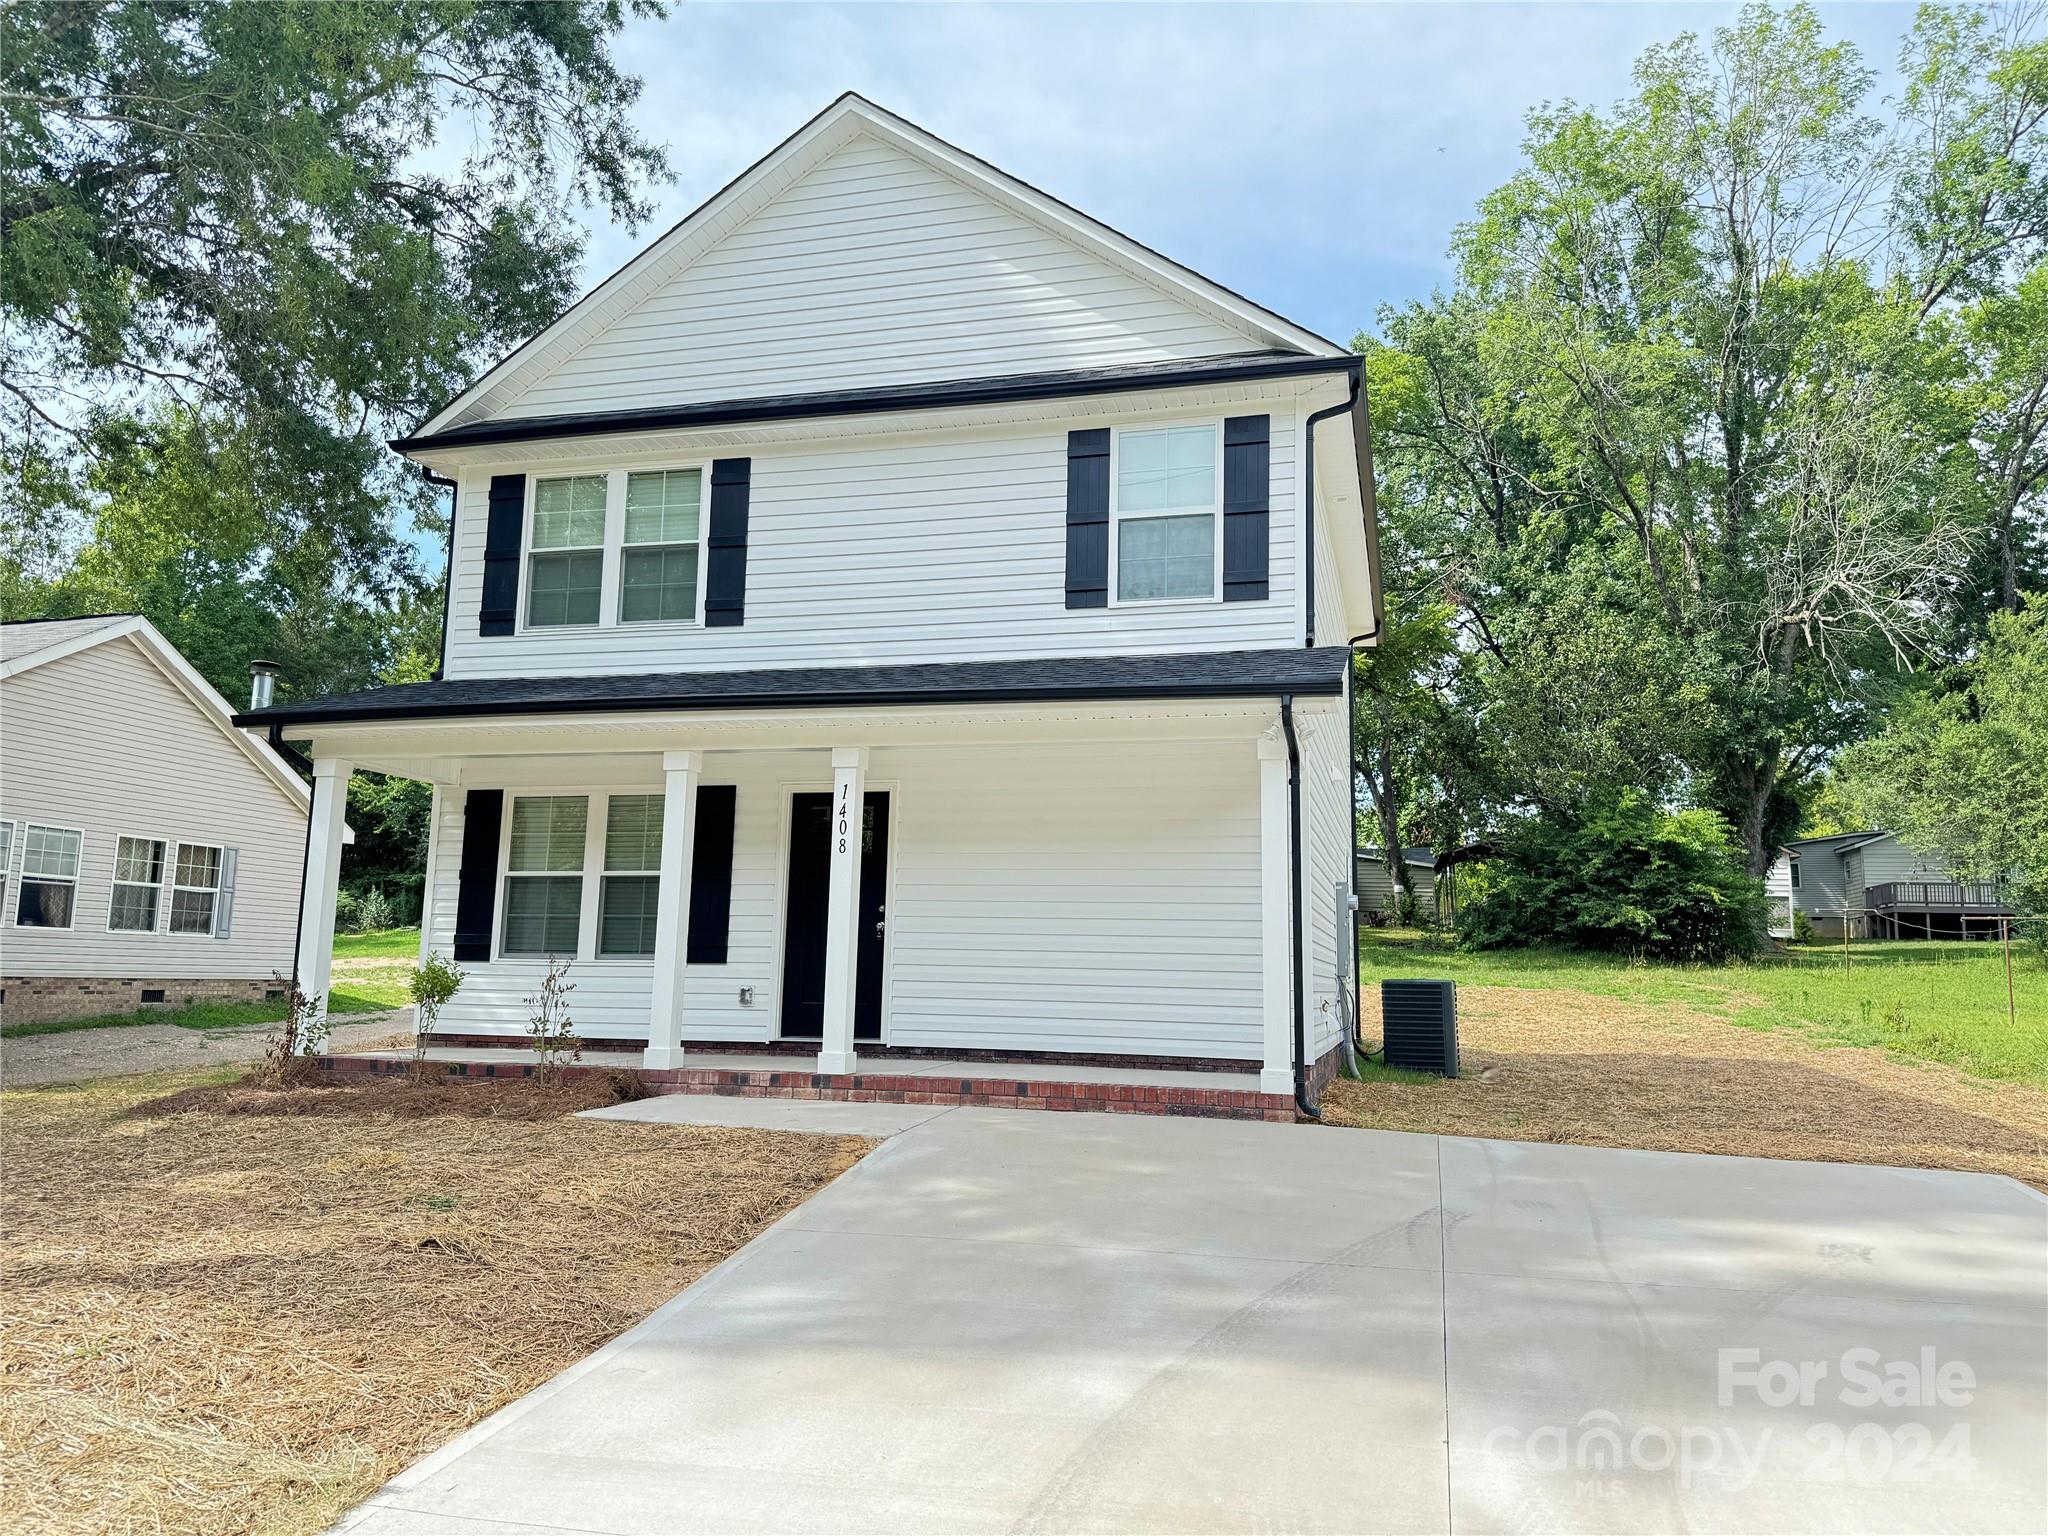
{"x":868,"y":1050}
{"x":37,"y":999}
{"x":887,"y":1088}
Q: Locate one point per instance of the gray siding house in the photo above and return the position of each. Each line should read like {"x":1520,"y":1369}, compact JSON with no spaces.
{"x":1873,"y":886}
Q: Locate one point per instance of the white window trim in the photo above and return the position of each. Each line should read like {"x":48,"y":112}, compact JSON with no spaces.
{"x":166,"y":868}
{"x":597,"y":954}
{"x":586,"y":909}
{"x":219,"y":851}
{"x":606,"y":547}
{"x":612,"y":550}
{"x":696,"y":620}
{"x":7,"y":877}
{"x":1117,"y":516}
{"x":77,"y":879}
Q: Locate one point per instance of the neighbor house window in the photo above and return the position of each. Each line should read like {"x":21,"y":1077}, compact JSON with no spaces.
{"x":632,"y":878}
{"x":138,"y":882}
{"x":659,"y":563}
{"x":544,"y":875}
{"x":195,"y":888}
{"x":565,"y":567}
{"x":49,"y":877}
{"x":1793,"y":866}
{"x":1166,"y":510}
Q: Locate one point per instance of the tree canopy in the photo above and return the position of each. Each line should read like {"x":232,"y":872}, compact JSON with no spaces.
{"x":1735,"y":422}
{"x":239,"y":244}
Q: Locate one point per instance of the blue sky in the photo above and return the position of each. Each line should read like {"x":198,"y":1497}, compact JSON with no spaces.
{"x":1314,"y":157}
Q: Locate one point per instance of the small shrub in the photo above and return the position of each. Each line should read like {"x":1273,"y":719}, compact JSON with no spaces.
{"x":1802,"y":928}
{"x":299,"y":1038}
{"x":549,"y":1024}
{"x":1625,"y":877}
{"x":375,"y":911}
{"x":432,"y":983}
{"x":348,"y":912}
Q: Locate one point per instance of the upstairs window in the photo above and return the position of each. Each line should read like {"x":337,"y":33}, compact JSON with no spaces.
{"x":565,"y":566}
{"x":1166,"y":508}
{"x":632,"y":875}
{"x":544,"y":875}
{"x":660,"y":560}
{"x":49,"y":877}
{"x":138,"y":885}
{"x":195,"y":889}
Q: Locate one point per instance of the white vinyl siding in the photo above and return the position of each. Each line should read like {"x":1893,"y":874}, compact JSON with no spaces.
{"x":192,"y":784}
{"x":1085,"y":897}
{"x":874,"y":269}
{"x":868,"y":551}
{"x":1328,"y":836}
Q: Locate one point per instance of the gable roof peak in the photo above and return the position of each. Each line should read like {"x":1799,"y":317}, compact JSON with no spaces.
{"x":848,"y":116}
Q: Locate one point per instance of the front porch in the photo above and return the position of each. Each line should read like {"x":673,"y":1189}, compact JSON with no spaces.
{"x":1073,"y":903}
{"x":1052,"y":1086}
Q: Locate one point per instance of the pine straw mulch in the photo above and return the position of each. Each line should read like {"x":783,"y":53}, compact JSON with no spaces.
{"x":1556,"y":1065}
{"x":237,"y":1309}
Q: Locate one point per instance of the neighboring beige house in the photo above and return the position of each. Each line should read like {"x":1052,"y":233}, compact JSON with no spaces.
{"x":1376,"y":885}
{"x":150,"y":852}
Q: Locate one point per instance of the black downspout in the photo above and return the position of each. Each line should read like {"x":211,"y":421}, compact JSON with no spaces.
{"x":1308,"y":518}
{"x":1301,"y":1098}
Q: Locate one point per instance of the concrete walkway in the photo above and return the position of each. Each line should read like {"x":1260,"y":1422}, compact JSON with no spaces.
{"x":1010,"y":1322}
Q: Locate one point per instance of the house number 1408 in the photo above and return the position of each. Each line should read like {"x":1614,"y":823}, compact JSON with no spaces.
{"x":844,"y":792}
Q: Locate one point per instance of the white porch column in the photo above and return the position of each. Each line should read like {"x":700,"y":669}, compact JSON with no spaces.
{"x":1276,"y":957}
{"x":842,"y":917}
{"x":672,"y":909}
{"x":328,"y":815}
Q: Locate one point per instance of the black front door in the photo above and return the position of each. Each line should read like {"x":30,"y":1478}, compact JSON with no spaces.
{"x":803,"y":934}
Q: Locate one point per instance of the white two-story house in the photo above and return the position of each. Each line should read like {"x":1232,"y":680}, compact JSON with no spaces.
{"x":894,"y":615}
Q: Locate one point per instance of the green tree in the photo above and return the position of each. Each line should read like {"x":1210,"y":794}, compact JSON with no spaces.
{"x":239,"y":243}
{"x":1735,"y":389}
{"x":1963,"y":768}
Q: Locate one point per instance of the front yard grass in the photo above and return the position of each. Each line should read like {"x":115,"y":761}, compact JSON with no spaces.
{"x":1903,"y":1061}
{"x":244,"y":1310}
{"x":369,"y":977}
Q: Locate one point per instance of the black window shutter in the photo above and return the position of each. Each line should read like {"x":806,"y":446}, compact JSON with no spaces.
{"x":1088,"y":519}
{"x":500,"y":605}
{"x":476,"y":898}
{"x":711,"y":875}
{"x":1247,"y":504}
{"x":725,"y":582}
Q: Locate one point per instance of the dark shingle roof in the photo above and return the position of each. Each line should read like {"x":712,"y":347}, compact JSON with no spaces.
{"x":888,"y":397}
{"x":1198,"y":675}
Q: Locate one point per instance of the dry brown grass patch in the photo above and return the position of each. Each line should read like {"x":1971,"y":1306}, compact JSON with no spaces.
{"x":1555,"y":1065}
{"x":241,"y":1310}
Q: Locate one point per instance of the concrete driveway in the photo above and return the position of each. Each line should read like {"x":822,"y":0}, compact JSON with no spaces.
{"x":1011,"y":1322}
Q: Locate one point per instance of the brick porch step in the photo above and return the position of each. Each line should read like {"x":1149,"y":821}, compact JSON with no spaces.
{"x":948,"y":1089}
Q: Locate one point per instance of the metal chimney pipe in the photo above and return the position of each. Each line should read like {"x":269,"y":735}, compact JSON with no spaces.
{"x":262,"y":683}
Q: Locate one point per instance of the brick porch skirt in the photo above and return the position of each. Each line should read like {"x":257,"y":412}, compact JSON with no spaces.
{"x":994,"y":1092}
